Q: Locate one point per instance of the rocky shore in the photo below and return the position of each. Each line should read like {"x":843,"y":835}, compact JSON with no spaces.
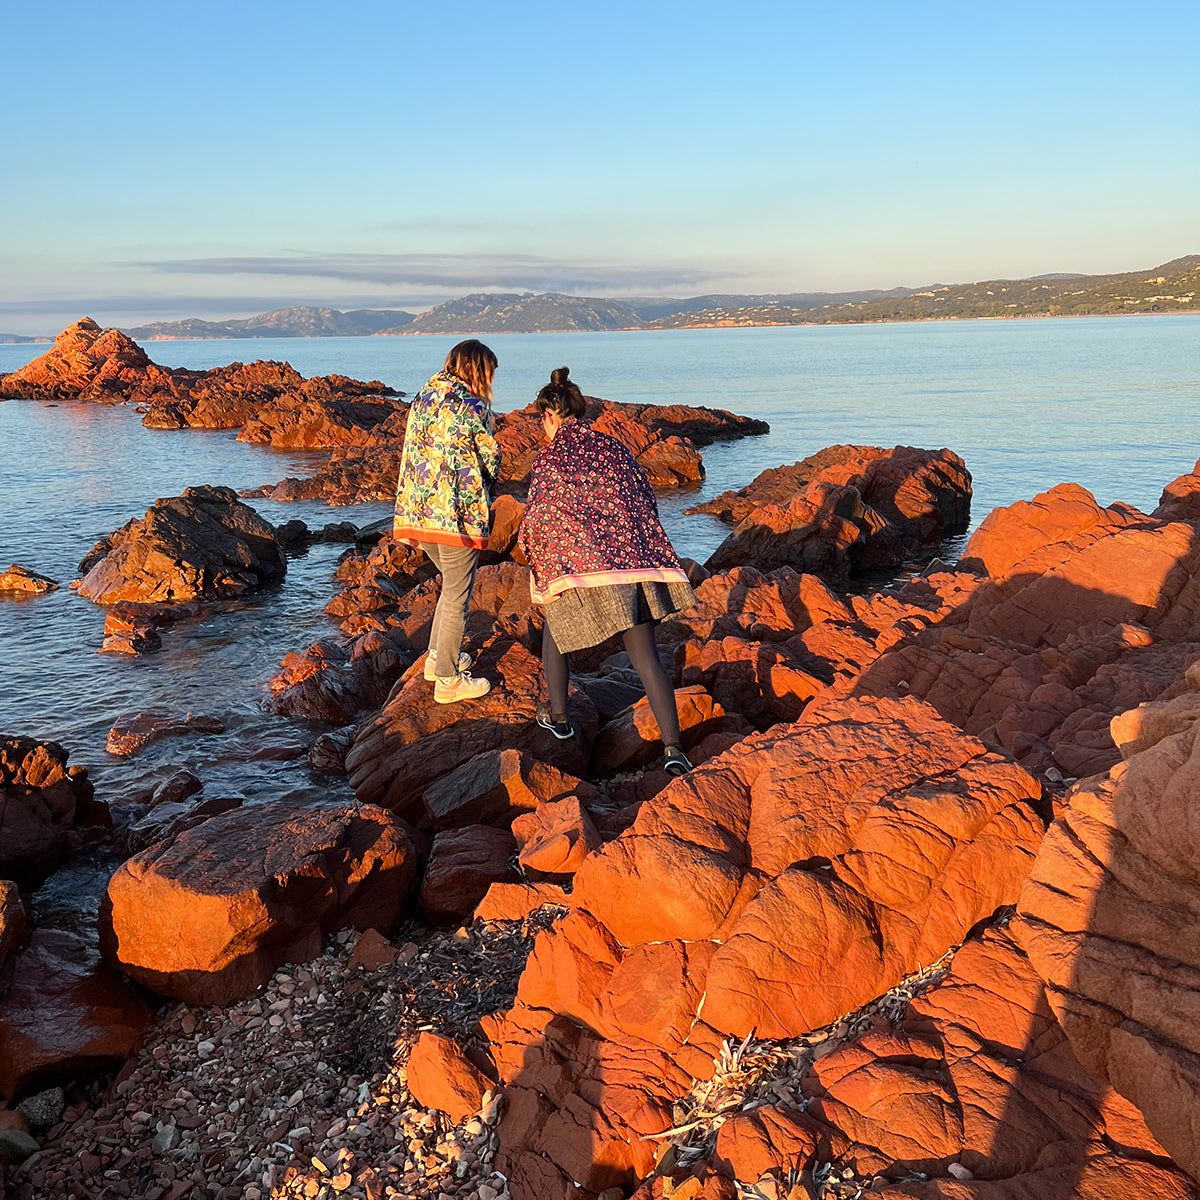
{"x":917,"y":925}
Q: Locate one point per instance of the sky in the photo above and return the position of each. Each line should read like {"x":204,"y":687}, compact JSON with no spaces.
{"x":160,"y":161}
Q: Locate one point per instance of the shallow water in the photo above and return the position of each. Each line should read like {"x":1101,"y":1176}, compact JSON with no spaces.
{"x":1106,"y":402}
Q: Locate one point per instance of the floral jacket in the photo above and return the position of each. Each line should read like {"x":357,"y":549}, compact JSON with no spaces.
{"x":592,"y":518}
{"x":449,"y":468}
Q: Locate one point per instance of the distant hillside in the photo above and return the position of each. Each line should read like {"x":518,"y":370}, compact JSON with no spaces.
{"x":653,"y":310}
{"x":1173,"y":287}
{"x":301,"y":321}
{"x":15,"y":338}
{"x":552,"y":312}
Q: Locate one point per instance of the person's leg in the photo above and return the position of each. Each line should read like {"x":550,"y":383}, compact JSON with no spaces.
{"x":643,"y":653}
{"x":457,"y":564}
{"x":554,"y":667}
{"x":432,"y":552}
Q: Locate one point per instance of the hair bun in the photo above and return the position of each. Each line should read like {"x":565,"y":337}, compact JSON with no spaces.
{"x":559,"y":376}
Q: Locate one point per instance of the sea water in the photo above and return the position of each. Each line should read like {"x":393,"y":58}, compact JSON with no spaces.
{"x":1109,"y":403}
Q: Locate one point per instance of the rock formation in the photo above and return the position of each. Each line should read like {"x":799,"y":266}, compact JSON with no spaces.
{"x":90,"y":363}
{"x":22,"y":581}
{"x":847,"y":507}
{"x":205,"y":543}
{"x":1107,"y":918}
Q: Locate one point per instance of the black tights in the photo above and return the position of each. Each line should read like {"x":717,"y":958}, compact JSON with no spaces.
{"x":643,"y":653}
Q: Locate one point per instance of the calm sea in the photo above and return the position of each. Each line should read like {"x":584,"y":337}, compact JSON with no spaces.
{"x":1106,"y":402}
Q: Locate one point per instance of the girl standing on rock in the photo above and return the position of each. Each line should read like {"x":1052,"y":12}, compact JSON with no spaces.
{"x":448,"y":476}
{"x":600,"y":560}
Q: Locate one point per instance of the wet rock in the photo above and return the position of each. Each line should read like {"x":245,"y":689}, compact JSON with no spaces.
{"x":12,"y":920}
{"x":328,"y":753}
{"x":41,"y":801}
{"x":1102,"y":913}
{"x":411,"y":743}
{"x":131,"y":627}
{"x":208,"y":917}
{"x":22,"y":581}
{"x":441,"y":1077}
{"x":167,"y":820}
{"x":320,"y":684}
{"x":463,"y":864}
{"x":134,"y":731}
{"x":67,"y":1015}
{"x":203,"y":543}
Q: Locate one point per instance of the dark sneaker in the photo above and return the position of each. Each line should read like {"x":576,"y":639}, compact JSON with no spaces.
{"x":561,"y":729}
{"x":676,"y":762}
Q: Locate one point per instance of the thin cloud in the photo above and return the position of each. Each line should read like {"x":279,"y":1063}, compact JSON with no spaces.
{"x":470,"y":272}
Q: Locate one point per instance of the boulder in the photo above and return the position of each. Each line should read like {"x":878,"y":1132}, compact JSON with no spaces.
{"x":411,"y":743}
{"x":632,"y":738}
{"x":462,"y":865}
{"x":318,"y":416}
{"x":495,"y":787}
{"x":205,"y":543}
{"x":517,"y":901}
{"x":441,"y":1077}
{"x":41,"y":802}
{"x":131,"y":627}
{"x":22,"y":581}
{"x":67,"y":1015}
{"x":1106,"y":913}
{"x":208,"y":917}
{"x":334,"y":683}
{"x":554,"y":839}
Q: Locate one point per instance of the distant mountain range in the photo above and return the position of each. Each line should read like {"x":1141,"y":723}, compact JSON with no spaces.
{"x":13,"y":338}
{"x":1172,"y":287}
{"x":299,"y":321}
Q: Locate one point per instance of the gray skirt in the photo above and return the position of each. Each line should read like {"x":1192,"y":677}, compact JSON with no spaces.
{"x":582,"y":617}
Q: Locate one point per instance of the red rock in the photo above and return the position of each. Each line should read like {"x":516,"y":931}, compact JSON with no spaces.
{"x":319,"y":416}
{"x":131,"y":627}
{"x":763,"y":682}
{"x":777,"y":1141}
{"x":441,"y":1077}
{"x":23,"y":581}
{"x":373,"y":951}
{"x":411,"y":743}
{"x":463,"y":864}
{"x":517,"y":901}
{"x":1101,"y":917}
{"x":203,"y":543}
{"x":332,"y":683}
{"x":496,"y":786}
{"x":67,"y":1016}
{"x":11,"y":1119}
{"x":705,"y":1185}
{"x":554,"y":839}
{"x":12,"y":920}
{"x":134,"y":731}
{"x":208,"y":917}
{"x":980,"y":1074}
{"x":507,"y":514}
{"x":41,"y":802}
{"x":632,"y":738}
{"x":167,"y":820}
{"x":1180,"y":500}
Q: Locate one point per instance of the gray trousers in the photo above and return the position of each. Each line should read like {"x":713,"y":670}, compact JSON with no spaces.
{"x":457,"y":565}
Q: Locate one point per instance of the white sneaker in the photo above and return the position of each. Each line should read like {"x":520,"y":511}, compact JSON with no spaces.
{"x":460,"y":687}
{"x":464,"y":664}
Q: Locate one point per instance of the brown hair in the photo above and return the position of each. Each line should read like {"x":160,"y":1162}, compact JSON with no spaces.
{"x":474,"y":364}
{"x":561,"y":396}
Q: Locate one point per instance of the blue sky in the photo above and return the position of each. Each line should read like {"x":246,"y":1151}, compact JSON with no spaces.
{"x":216,"y":160}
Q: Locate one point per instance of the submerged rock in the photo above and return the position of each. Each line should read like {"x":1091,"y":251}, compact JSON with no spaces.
{"x":134,"y":731}
{"x":22,"y":581}
{"x":204,"y":543}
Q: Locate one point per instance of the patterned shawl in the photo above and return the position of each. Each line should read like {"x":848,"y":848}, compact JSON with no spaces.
{"x":592,"y":518}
